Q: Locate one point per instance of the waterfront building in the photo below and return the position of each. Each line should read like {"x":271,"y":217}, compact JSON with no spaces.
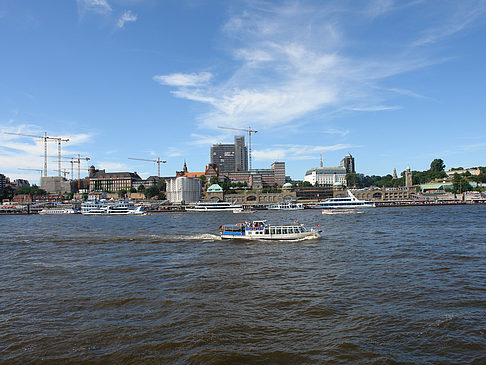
{"x":314,"y":193}
{"x":182,"y":189}
{"x":230,"y":157}
{"x":55,"y":184}
{"x":384,"y":194}
{"x":348,"y":163}
{"x":19,"y":184}
{"x":256,"y":178}
{"x":100,"y":180}
{"x":474,"y":172}
{"x":326,"y":175}
{"x":329,"y":175}
{"x":3,"y":181}
{"x":408,"y":177}
{"x":241,"y":154}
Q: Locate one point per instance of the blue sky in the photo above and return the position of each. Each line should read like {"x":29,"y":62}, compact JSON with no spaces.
{"x":395,"y":83}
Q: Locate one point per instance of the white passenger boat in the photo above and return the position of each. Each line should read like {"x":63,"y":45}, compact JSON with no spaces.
{"x":260,"y":230}
{"x":349,"y":202}
{"x":102,"y":207}
{"x":214,"y":207}
{"x":58,"y":211}
{"x":286,"y":206}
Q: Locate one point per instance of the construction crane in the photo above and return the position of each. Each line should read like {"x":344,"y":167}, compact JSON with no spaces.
{"x":64,"y":172}
{"x":46,"y":138}
{"x":38,"y":170}
{"x":78,"y":161}
{"x":249,"y":131}
{"x":158,"y":160}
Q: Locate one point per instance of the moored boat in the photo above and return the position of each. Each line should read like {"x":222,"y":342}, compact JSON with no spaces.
{"x":49,"y":211}
{"x":349,"y":202}
{"x":286,"y":206}
{"x":213,"y":207}
{"x":260,"y":230}
{"x":102,"y":207}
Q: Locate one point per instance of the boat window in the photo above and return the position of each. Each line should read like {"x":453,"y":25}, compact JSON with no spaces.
{"x":279,"y":230}
{"x":284,"y":230}
{"x":266,"y":230}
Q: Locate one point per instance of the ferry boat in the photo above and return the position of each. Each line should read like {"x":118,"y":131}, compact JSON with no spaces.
{"x":286,"y":206}
{"x":58,"y":211}
{"x":214,"y":207}
{"x":349,"y":202}
{"x":102,"y":207}
{"x":260,"y":230}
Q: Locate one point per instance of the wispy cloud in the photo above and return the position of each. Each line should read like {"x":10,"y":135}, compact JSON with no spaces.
{"x":94,"y":6}
{"x":338,"y":132}
{"x":22,"y":152}
{"x":180,"y":79}
{"x":296,"y":152}
{"x":292,"y":59}
{"x":461,"y":16}
{"x":126,"y":17}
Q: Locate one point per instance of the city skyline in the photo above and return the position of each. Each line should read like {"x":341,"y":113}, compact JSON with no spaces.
{"x":394,"y":83}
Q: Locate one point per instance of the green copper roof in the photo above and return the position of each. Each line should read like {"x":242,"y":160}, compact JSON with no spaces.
{"x":215,"y":188}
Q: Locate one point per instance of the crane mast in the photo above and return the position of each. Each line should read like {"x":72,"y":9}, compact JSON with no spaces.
{"x":46,"y":138}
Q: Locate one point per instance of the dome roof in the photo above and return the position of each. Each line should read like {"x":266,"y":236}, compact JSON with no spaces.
{"x":338,"y":183}
{"x":215,"y":188}
{"x":287,"y":185}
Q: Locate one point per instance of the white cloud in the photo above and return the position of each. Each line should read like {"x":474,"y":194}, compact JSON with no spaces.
{"x":338,"y":132}
{"x":180,"y":79}
{"x":126,"y":17}
{"x":22,"y":152}
{"x":292,"y":59}
{"x":94,"y":6}
{"x":296,"y":152}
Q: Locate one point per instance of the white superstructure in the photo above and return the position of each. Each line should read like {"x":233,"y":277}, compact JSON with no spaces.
{"x":346,"y":203}
{"x":260,"y":230}
{"x":58,"y":211}
{"x":214,"y":207}
{"x":101,"y":207}
{"x":286,"y":206}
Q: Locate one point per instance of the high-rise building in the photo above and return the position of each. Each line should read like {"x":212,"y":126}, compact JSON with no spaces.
{"x":230,"y":157}
{"x":348,"y":163}
{"x":241,"y":154}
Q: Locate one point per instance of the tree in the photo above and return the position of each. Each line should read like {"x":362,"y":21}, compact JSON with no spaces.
{"x":151,"y":192}
{"x":305,"y":184}
{"x":7,"y":193}
{"x":141,"y":188}
{"x":213,"y":180}
{"x":437,"y":165}
{"x":133,"y":190}
{"x":353,"y":180}
{"x":122,"y":193}
{"x":203,"y":180}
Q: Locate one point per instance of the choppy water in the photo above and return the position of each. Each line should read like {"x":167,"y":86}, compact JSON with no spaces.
{"x":393,"y":285}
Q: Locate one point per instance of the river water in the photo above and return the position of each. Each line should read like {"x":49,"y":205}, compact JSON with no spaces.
{"x":391,"y":285}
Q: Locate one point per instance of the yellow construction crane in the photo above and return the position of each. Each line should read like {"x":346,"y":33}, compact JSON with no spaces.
{"x":46,"y":138}
{"x":249,"y":131}
{"x":158,"y":160}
